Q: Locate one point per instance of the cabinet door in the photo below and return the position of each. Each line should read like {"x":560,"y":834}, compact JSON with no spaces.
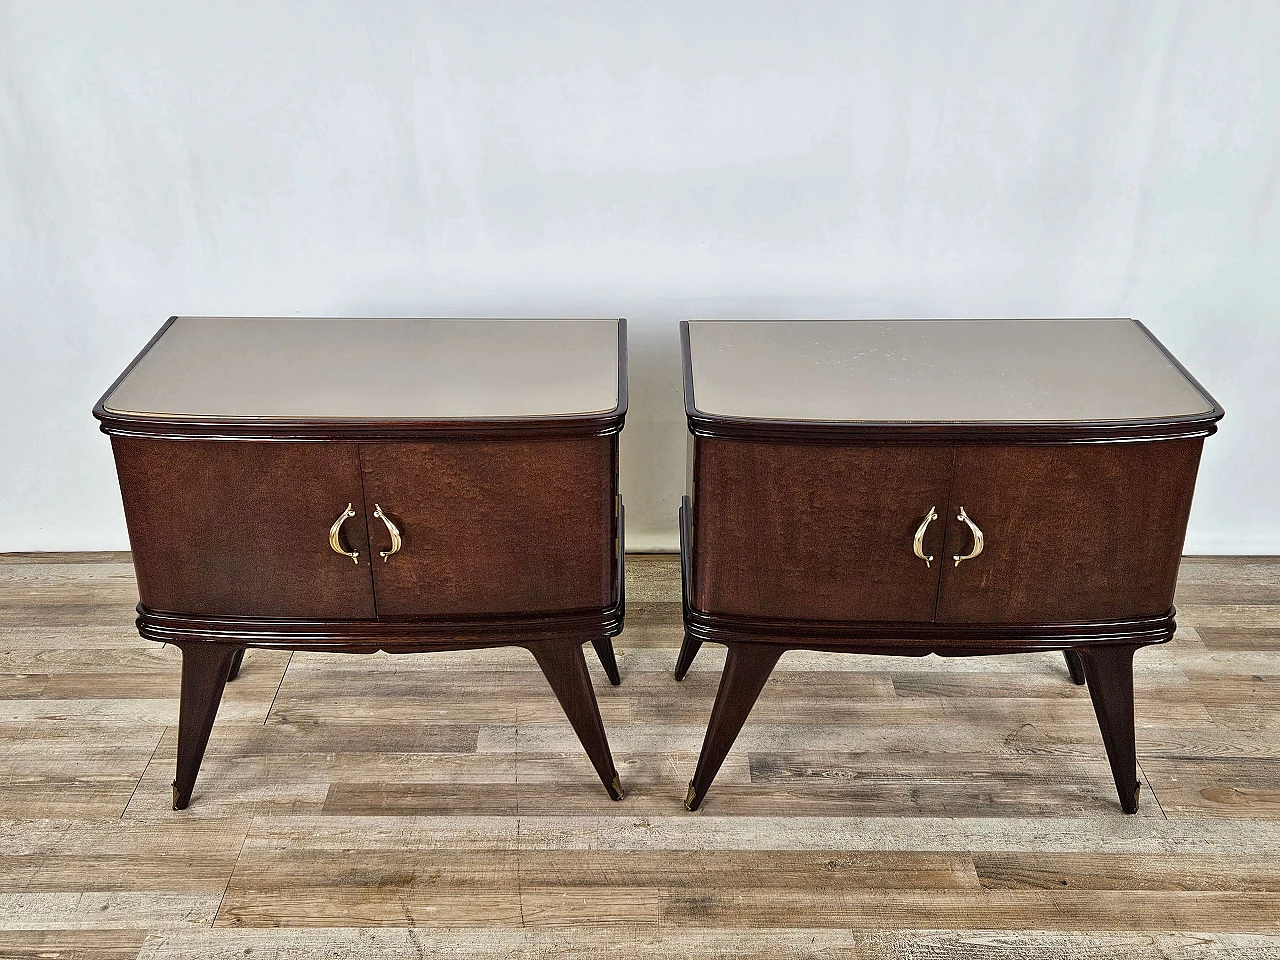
{"x":493,"y":527}
{"x":1070,"y":533}
{"x":235,"y":528}
{"x":816,"y":531}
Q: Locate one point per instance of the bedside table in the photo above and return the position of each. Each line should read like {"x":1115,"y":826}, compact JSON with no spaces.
{"x":347,"y":485}
{"x":957,"y":487}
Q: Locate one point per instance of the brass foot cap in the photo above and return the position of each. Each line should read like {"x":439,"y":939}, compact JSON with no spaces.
{"x":179,"y":803}
{"x":615,"y":788}
{"x":692,"y":801}
{"x":1137,"y":792}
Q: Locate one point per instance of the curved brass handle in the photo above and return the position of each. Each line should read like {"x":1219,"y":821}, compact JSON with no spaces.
{"x":335,"y":543}
{"x":977,"y":539}
{"x":917,"y":544}
{"x":391,"y":529}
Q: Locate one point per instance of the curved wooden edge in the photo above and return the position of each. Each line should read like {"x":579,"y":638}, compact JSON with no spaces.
{"x":565,"y":427}
{"x":979,"y":432}
{"x":368,"y":636}
{"x":922,"y":639}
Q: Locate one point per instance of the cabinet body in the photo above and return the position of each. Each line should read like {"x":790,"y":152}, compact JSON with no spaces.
{"x":359,"y":485}
{"x":241,"y":528}
{"x":825,"y":532}
{"x":934,"y":487}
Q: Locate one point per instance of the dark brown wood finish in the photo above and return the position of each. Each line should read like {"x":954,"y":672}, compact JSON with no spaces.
{"x":1108,"y":671}
{"x":1072,"y":533}
{"x":604,"y":650}
{"x":806,"y":538}
{"x":746,"y":670}
{"x":566,"y":671}
{"x":242,"y":529}
{"x":691,"y":643}
{"x":236,"y":662}
{"x":1083,"y":526}
{"x":493,"y":527}
{"x":205,"y":671}
{"x":512,"y":537}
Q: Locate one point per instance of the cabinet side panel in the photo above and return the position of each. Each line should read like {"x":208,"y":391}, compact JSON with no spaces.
{"x":494,"y":527}
{"x":816,"y":531}
{"x":1071,"y":532}
{"x":236,"y":528}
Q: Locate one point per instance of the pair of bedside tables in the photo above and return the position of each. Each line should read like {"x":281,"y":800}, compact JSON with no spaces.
{"x":902,"y":487}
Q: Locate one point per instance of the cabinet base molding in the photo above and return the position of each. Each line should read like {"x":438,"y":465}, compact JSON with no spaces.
{"x":920,"y":639}
{"x":370,"y":636}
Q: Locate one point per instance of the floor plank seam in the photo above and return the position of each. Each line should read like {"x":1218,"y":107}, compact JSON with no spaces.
{"x":244,"y":841}
{"x":143,"y":775}
{"x":283,"y":673}
{"x":1152,"y":788}
{"x":515,"y":772}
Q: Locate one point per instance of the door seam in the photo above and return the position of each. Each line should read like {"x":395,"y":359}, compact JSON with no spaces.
{"x":368,"y":532}
{"x":946,"y":529}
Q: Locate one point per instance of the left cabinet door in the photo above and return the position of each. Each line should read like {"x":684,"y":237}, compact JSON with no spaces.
{"x":241,"y":528}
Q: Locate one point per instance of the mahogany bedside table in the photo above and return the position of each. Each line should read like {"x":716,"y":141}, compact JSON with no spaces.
{"x":350,"y":485}
{"x":951,"y":487}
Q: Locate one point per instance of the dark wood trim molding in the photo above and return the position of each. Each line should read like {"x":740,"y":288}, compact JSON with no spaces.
{"x":921,"y":639}
{"x":368,"y":636}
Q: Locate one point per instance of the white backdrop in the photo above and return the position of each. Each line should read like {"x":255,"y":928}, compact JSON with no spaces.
{"x":650,"y":160}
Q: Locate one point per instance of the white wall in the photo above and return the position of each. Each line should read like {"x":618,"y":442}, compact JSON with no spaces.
{"x":651,"y":160}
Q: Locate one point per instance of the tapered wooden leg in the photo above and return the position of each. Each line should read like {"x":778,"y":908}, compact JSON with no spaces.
{"x":690,"y":647}
{"x":745,"y":673}
{"x":235,"y":665}
{"x":1108,"y":668}
{"x":566,"y":670}
{"x":1074,"y":667}
{"x":688,"y":650}
{"x":205,"y":667}
{"x":604,"y":650}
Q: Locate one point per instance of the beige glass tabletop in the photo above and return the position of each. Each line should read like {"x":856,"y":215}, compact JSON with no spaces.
{"x":292,"y":367}
{"x":936,"y":371}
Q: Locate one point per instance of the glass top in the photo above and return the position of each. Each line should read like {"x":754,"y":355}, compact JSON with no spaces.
{"x":286,"y":368}
{"x":936,"y":371}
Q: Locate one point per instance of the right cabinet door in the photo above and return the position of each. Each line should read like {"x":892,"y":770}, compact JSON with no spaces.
{"x":492,"y":527}
{"x":1073,"y":532}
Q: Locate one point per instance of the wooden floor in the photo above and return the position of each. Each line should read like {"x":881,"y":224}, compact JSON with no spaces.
{"x":440,"y":806}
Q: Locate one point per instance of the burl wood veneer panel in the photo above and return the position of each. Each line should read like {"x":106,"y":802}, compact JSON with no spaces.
{"x":816,"y":531}
{"x":1072,"y":532}
{"x":237,"y":528}
{"x":494,"y":527}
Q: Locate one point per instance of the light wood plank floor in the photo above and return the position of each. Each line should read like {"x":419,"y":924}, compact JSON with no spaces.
{"x":440,"y":806}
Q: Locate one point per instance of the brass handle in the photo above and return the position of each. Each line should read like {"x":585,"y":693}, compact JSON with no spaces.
{"x":335,"y":543}
{"x":918,"y":543}
{"x":977,"y":539}
{"x":391,"y":529}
